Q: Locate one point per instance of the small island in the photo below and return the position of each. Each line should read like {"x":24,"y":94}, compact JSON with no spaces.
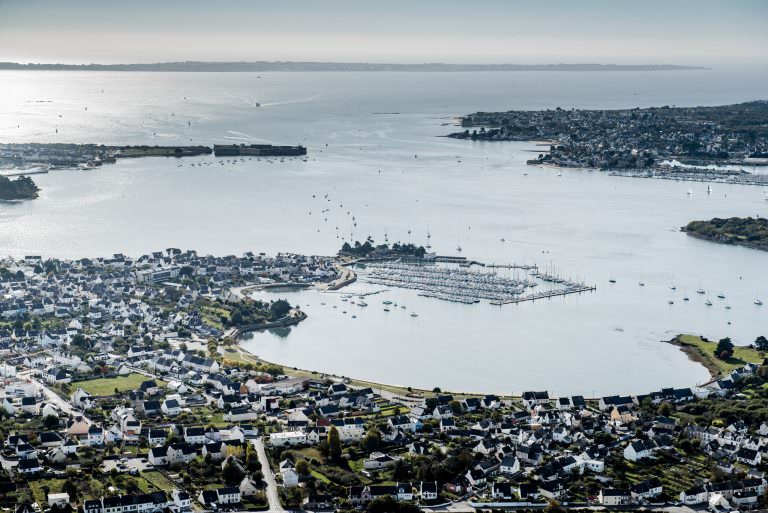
{"x":746,"y":231}
{"x":22,"y":188}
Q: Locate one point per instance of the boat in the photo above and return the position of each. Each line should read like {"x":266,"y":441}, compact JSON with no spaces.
{"x":758,"y":302}
{"x":690,"y":192}
{"x":685,"y":298}
{"x":354,"y":316}
{"x":387,"y":302}
{"x":386,"y":309}
{"x":700,"y":291}
{"x":708,"y":302}
{"x":673,"y":287}
{"x":671,"y":302}
{"x":414,"y":314}
{"x":727,"y":307}
{"x":641,"y":284}
{"x":362,"y":303}
{"x":611,"y":280}
{"x":721,"y":295}
{"x":709,"y":189}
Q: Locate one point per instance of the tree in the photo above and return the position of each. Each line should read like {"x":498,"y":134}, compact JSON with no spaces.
{"x":302,"y":468}
{"x":50,"y":422}
{"x":455,"y":407}
{"x":554,"y":507}
{"x":761,"y":343}
{"x":334,"y":445}
{"x":232,"y":473}
{"x":371,"y":441}
{"x":724,"y":349}
{"x":279,"y":309}
{"x":665,"y":409}
{"x":251,"y":458}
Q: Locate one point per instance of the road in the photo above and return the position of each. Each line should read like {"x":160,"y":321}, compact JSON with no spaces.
{"x":53,"y":397}
{"x":269,"y":478}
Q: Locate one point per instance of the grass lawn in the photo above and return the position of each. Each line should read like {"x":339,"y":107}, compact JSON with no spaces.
{"x":704,"y":352}
{"x":158,"y":480}
{"x":107,"y":386}
{"x":319,"y":476}
{"x":39,"y":492}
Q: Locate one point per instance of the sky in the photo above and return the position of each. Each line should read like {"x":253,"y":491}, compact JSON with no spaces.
{"x":693,"y":32}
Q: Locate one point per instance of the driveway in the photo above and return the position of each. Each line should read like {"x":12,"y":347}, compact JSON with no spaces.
{"x":269,"y":477}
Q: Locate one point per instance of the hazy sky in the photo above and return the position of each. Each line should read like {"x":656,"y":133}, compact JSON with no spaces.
{"x":707,"y":32}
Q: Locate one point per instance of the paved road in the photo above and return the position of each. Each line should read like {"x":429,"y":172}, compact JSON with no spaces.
{"x":269,"y":477}
{"x":53,"y":397}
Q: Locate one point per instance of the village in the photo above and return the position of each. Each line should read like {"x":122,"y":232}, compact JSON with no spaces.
{"x":659,"y":142}
{"x":124,"y":390}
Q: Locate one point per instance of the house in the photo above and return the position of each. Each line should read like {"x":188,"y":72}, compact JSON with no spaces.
{"x":181,"y":500}
{"x":402,"y":422}
{"x":510,"y":465}
{"x":555,"y":489}
{"x":58,"y":499}
{"x":29,"y":466}
{"x":748,"y":456}
{"x":378,"y":460}
{"x":614,"y":497}
{"x":287,"y":438}
{"x":158,"y":456}
{"x":180,"y":453}
{"x":151,"y":407}
{"x":647,"y":489}
{"x":95,"y":436}
{"x":639,"y":449}
{"x":404,"y":491}
{"x":290,"y":477}
{"x":502,"y":491}
{"x":82,"y":399}
{"x":221,"y":496}
{"x":337,"y":389}
{"x":531,"y":399}
{"x":194,"y":435}
{"x":171,"y":407}
{"x":428,"y":490}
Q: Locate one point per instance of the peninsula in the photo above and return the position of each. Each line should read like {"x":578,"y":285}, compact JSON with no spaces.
{"x":45,"y":156}
{"x":743,"y":231}
{"x":22,"y":188}
{"x":265,"y":66}
{"x":690,"y":143}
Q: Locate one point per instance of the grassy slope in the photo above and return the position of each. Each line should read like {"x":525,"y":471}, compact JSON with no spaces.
{"x":703,"y":352}
{"x":106,"y":386}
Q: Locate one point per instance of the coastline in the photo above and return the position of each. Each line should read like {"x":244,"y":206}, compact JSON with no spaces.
{"x":724,"y":242}
{"x":716,"y":368}
{"x":700,"y":350}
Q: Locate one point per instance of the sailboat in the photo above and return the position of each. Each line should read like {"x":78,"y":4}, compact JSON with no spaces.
{"x":690,"y":192}
{"x":709,"y":189}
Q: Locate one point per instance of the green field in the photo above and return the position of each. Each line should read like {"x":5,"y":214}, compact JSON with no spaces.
{"x":704,"y":352}
{"x":158,"y":480}
{"x":107,"y":386}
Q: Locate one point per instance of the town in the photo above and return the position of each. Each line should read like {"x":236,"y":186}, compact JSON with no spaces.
{"x":660,"y":142}
{"x":124,"y":390}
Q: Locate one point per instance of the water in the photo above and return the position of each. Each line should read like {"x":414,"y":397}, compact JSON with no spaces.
{"x":386,"y":165}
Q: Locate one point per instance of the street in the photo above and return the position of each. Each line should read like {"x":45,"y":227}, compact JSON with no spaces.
{"x":269,"y":477}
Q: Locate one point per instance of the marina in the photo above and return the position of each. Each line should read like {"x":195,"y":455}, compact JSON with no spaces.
{"x":467,"y":286}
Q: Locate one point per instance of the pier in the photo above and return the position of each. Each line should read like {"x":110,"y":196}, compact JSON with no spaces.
{"x":573,"y":288}
{"x":456,"y":283}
